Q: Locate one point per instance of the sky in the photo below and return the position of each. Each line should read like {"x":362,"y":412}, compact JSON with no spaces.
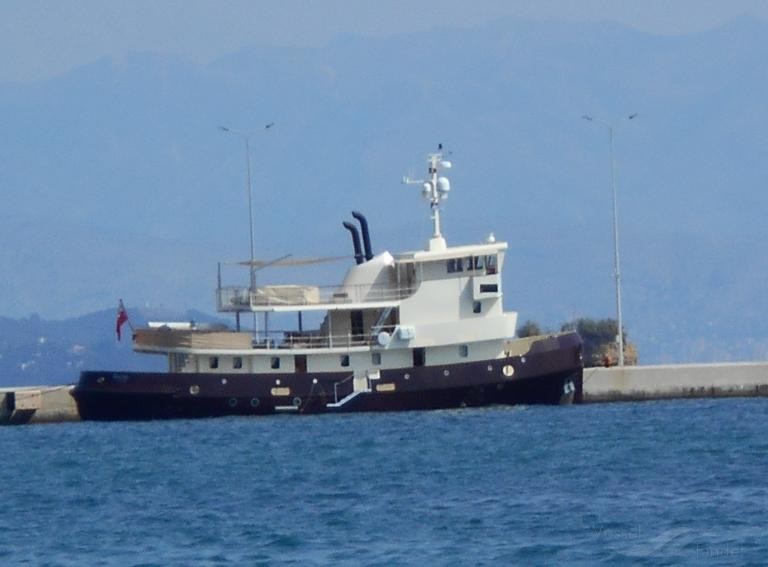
{"x":41,"y":39}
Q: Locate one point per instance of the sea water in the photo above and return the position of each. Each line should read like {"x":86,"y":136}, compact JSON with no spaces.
{"x":635,"y":483}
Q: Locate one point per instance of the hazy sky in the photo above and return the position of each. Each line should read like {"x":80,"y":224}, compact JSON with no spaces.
{"x":39,"y":39}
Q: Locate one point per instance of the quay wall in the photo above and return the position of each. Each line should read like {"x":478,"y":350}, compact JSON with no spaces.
{"x":636,"y":383}
{"x":39,"y":404}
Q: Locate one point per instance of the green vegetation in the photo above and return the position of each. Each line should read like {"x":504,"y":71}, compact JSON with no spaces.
{"x":599,"y":337}
{"x":529,"y":329}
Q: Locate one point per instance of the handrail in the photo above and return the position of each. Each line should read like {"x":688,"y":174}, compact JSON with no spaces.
{"x":292,"y":339}
{"x":239,"y":298}
{"x":336,"y":387}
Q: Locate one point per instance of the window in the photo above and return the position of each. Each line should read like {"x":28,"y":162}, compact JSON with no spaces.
{"x":345,"y":360}
{"x":451,"y":265}
{"x":213,"y":362}
{"x":478,"y":262}
{"x":477,"y":307}
{"x":459,"y":265}
{"x":469,"y":263}
{"x":490,"y":265}
{"x":464,"y":351}
{"x":489,"y":288}
{"x":376,"y":358}
{"x":177,"y":362}
{"x":237,"y":362}
{"x":274,"y":362}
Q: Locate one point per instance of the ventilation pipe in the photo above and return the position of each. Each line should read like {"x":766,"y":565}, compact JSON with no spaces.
{"x":366,"y":236}
{"x":355,"y":241}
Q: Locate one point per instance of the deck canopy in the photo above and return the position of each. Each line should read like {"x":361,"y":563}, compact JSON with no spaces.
{"x":452,"y":252}
{"x":288,"y":261}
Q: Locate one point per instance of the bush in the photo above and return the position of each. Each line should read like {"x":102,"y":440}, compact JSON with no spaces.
{"x":529,"y":329}
{"x":600,"y":345}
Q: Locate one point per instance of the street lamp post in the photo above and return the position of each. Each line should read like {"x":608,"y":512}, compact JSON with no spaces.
{"x":616,"y":262}
{"x":247,"y":138}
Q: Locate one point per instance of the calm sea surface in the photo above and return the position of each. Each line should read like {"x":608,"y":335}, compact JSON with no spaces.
{"x":649,"y":483}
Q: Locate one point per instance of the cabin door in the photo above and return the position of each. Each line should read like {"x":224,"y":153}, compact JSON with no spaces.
{"x":356,"y":324}
{"x":300,"y":363}
{"x":419,"y":356}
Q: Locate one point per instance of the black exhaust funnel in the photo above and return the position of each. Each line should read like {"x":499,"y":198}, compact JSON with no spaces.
{"x":355,"y":241}
{"x":366,"y":236}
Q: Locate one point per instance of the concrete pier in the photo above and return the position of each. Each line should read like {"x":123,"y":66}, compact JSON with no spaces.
{"x":37,"y":404}
{"x":674,"y":381}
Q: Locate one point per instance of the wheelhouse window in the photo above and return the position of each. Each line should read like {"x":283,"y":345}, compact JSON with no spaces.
{"x":274,"y":362}
{"x":490,"y":265}
{"x":237,"y":362}
{"x":213,"y":362}
{"x":345,"y":360}
{"x":472,"y":263}
{"x":454,"y":265}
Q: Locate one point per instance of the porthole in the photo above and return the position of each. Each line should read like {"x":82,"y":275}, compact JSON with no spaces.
{"x":508,"y":370}
{"x":446,"y":372}
{"x":232,"y":402}
{"x":490,"y":368}
{"x":254,"y":402}
{"x":297,"y":401}
{"x":194,"y":389}
{"x":407,"y":376}
{"x":224,"y":381}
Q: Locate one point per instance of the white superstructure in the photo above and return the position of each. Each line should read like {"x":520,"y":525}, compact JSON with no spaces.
{"x":440,"y":305}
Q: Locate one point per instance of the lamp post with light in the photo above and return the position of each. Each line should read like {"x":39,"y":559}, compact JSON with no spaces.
{"x":251,"y":267}
{"x":616,"y":262}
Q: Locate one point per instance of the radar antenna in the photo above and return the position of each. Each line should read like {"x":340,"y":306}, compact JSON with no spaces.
{"x":435,"y":189}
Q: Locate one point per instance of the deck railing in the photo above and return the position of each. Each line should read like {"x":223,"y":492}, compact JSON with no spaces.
{"x":236,"y":298}
{"x":308,"y":339}
{"x":154,"y":339}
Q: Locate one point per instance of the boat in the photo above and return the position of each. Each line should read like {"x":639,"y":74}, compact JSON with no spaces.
{"x":419,"y":330}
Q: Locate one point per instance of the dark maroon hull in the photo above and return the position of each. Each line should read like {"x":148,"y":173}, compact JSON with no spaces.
{"x":550,"y":373}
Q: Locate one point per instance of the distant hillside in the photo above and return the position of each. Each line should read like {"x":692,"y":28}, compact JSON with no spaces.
{"x":118,"y":183}
{"x":35,"y":351}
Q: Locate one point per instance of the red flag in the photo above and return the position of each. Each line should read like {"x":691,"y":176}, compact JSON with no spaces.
{"x":122,"y":317}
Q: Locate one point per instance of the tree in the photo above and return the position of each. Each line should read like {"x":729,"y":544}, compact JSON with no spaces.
{"x":529,"y":329}
{"x":599,"y":338}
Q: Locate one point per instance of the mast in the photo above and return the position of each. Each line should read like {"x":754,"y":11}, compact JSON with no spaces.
{"x":435,"y":189}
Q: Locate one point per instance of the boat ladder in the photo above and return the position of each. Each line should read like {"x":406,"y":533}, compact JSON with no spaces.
{"x":360,"y":385}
